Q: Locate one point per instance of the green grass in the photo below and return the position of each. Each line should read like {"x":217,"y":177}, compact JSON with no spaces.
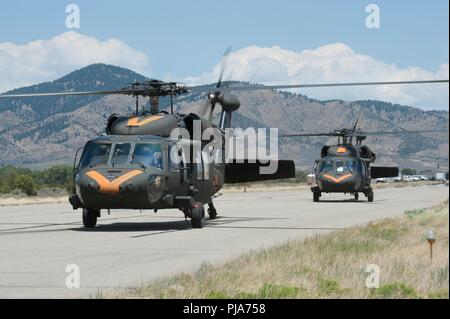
{"x":396,"y":290}
{"x":327,"y":266}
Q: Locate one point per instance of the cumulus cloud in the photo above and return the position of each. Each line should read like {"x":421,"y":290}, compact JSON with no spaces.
{"x":45,"y":60}
{"x":334,"y":63}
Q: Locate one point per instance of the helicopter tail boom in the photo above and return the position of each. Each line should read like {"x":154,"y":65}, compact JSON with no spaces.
{"x":383,"y":172}
{"x":236,"y":173}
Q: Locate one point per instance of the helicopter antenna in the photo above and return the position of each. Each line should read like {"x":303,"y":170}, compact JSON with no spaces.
{"x":88,"y":128}
{"x":137,"y":104}
{"x":255,"y":74}
{"x":355,"y":126}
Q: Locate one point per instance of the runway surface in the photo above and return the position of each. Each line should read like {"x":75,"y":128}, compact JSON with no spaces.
{"x":37,"y":242}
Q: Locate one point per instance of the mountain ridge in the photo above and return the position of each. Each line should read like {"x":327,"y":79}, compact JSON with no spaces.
{"x":41,"y":132}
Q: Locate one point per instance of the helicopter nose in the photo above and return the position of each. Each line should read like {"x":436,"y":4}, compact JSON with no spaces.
{"x":344,"y":183}
{"x":112,"y":183}
{"x":133,"y":189}
{"x":337,"y":180}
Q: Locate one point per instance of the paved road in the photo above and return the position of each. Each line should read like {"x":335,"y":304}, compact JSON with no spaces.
{"x":38,"y":242}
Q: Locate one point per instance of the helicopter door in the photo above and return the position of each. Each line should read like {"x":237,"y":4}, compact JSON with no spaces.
{"x":76,"y":161}
{"x":365,"y":173}
{"x":208,"y":171}
{"x":176,"y":180}
{"x":185,"y":169}
{"x":203,"y":177}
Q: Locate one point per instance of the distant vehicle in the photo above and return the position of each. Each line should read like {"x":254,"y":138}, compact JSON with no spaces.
{"x":311,"y":179}
{"x":441,"y":176}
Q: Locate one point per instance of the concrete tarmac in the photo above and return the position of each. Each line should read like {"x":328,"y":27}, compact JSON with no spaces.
{"x":128,"y":248}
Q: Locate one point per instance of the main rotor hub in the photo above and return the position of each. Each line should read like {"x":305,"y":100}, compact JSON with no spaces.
{"x":155,"y":88}
{"x":346,"y":136}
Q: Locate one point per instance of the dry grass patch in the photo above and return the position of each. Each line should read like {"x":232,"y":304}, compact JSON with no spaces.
{"x":328,"y":266}
{"x":17,"y":201}
{"x":292,"y":186}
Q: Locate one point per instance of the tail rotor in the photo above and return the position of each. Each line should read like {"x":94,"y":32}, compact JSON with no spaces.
{"x":228,"y":101}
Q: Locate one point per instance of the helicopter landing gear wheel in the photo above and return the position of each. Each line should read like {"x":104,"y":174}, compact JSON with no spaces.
{"x":316,"y":195}
{"x":212,"y":212}
{"x":198,"y":215}
{"x":356,"y":196}
{"x":90,"y":217}
{"x":370,"y":197}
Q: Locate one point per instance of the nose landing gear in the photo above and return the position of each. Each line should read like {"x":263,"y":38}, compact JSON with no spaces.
{"x":197,"y":215}
{"x":90,"y":217}
{"x":316,"y":194}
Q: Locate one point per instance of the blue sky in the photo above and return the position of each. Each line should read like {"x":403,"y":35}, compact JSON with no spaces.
{"x":187,"y":38}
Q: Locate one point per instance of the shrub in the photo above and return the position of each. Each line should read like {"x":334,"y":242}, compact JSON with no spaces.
{"x":30,"y":181}
{"x":272,"y":291}
{"x":396,"y":290}
{"x":26,"y":185}
{"x":327,"y":286}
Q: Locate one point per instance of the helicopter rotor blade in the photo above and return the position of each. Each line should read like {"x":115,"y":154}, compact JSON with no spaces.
{"x":324,"y":85}
{"x":357,"y":133}
{"x":401,"y":132}
{"x":25,"y":95}
{"x":306,"y":135}
{"x":206,"y":108}
{"x":355,"y":126}
{"x":219,"y":88}
{"x":223,"y":65}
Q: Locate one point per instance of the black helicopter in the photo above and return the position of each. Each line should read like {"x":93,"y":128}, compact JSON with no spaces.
{"x":132,"y":167}
{"x":346,"y":166}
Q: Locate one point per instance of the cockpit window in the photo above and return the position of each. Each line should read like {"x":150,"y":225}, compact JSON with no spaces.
{"x":121,"y":153}
{"x":348,"y":166}
{"x":327,"y":167}
{"x":149,"y":155}
{"x":341,"y":166}
{"x":95,"y":154}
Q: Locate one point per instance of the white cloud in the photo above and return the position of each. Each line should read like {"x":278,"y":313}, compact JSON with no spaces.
{"x":45,"y":60}
{"x":334,"y":63}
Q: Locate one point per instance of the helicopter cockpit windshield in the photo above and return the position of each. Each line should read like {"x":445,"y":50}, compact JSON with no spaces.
{"x":118,"y":154}
{"x":348,"y":166}
{"x":149,"y":155}
{"x":95,"y":154}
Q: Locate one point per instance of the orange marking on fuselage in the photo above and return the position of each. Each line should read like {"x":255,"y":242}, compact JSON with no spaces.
{"x":136,"y":122}
{"x":111,"y":187}
{"x":341,"y":150}
{"x":337,"y":180}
